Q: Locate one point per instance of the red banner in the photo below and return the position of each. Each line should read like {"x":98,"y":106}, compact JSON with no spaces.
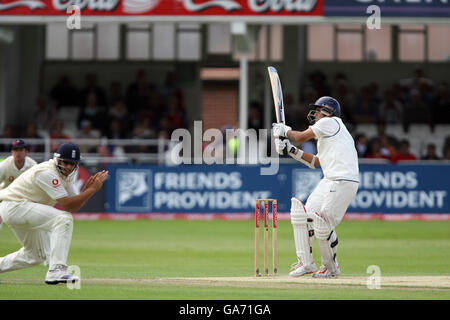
{"x":163,"y":7}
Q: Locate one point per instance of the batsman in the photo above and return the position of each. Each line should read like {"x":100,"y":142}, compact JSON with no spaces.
{"x":327,"y":204}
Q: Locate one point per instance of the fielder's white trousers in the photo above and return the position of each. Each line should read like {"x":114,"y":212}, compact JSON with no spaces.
{"x":32,"y":223}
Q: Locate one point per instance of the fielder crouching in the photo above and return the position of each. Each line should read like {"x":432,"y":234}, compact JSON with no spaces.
{"x":327,"y":204}
{"x":26,"y":206}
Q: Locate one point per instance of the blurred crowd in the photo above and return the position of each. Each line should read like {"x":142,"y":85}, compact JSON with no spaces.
{"x":141,"y":110}
{"x":145,"y":110}
{"x":417,"y":99}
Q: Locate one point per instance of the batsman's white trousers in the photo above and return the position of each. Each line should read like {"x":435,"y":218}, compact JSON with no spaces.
{"x":330,"y":199}
{"x":32,"y":223}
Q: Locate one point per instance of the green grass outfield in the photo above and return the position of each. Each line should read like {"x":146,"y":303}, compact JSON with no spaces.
{"x":157,"y":259}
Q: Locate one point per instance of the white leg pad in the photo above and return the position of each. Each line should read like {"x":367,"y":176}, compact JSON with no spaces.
{"x":299,"y":220}
{"x":324,"y":234}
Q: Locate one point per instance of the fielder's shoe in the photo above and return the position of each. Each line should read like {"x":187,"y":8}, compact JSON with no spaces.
{"x":325,"y":273}
{"x":60,"y":275}
{"x":300,"y":270}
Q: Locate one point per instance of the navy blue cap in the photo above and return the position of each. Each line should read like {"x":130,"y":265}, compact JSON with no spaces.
{"x":19,"y":144}
{"x":68,"y":151}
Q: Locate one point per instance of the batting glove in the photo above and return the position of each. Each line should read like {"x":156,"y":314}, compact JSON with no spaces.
{"x":280,"y":130}
{"x":283,"y":146}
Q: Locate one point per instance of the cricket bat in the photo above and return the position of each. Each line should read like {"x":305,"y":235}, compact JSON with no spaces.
{"x":277,"y":94}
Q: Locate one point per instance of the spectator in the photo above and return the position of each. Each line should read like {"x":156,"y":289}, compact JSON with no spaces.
{"x":254,"y":117}
{"x":416,"y":81}
{"x":59,"y":134}
{"x":403,"y":152}
{"x":446,"y":146}
{"x":441,"y":104}
{"x":294,"y":113}
{"x":361,"y":143}
{"x":447,"y":154}
{"x":156,"y":105}
{"x":374,"y":150}
{"x":93,"y":112}
{"x":373,"y":91}
{"x":342,"y":93}
{"x":381,"y":131}
{"x":431,"y":153}
{"x":32,"y":133}
{"x":115,"y":93}
{"x":387,"y":148}
{"x":44,"y":115}
{"x":165,"y":146}
{"x":174,"y":116}
{"x":151,"y":114}
{"x":171,"y":90}
{"x":400,"y":94}
{"x":143,"y":130}
{"x":391,"y":110}
{"x":115,"y":130}
{"x":365,"y":109}
{"x":416,"y":111}
{"x":138,"y":93}
{"x":86,"y":132}
{"x":91,"y":87}
{"x":426,"y":93}
{"x":104,"y":153}
{"x":64,"y":93}
{"x":119,"y":112}
{"x":308,"y":94}
{"x":165,"y":125}
{"x":318,"y":82}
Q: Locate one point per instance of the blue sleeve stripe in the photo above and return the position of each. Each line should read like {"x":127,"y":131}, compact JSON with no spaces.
{"x":336,"y":131}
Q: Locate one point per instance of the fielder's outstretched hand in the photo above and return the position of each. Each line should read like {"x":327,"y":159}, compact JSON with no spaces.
{"x":96,"y":181}
{"x":280,"y":130}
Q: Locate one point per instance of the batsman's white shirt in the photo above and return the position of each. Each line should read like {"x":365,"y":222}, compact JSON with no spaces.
{"x":9,"y":171}
{"x":336,"y":150}
{"x":339,"y":162}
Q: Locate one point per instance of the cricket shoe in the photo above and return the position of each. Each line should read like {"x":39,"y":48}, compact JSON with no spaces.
{"x":325,"y":273}
{"x":300,"y":270}
{"x":60,"y":275}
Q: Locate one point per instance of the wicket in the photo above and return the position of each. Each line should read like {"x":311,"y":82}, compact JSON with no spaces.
{"x":266,"y":235}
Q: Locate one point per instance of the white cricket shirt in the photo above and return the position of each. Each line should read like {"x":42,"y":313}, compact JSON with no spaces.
{"x":40,"y":184}
{"x":9,"y":171}
{"x":336,"y":150}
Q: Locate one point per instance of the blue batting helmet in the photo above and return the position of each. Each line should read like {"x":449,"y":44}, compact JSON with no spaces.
{"x":329,"y":105}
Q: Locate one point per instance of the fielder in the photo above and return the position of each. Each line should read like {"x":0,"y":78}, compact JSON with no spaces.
{"x":16,"y":164}
{"x":327,"y":204}
{"x":26,"y":206}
